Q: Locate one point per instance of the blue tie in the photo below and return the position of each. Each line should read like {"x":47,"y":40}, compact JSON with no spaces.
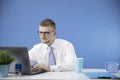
{"x":51,"y":56}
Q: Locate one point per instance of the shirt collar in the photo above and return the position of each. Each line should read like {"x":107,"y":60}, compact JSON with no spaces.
{"x":53,"y":45}
{"x":45,"y":45}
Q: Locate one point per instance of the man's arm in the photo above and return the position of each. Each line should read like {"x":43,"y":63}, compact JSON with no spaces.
{"x":68,"y":61}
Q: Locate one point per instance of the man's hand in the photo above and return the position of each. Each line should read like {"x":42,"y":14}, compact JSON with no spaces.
{"x":41,"y":66}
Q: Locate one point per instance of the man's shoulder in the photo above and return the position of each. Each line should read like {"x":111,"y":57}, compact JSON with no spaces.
{"x":38,"y":45}
{"x":60,"y":41}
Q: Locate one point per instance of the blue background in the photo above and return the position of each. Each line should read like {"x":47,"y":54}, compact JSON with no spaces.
{"x":93,"y":26}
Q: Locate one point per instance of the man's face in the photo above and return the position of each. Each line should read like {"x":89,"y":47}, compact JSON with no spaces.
{"x":47,"y":34}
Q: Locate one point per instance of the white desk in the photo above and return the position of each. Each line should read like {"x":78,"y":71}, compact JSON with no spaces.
{"x":70,"y":75}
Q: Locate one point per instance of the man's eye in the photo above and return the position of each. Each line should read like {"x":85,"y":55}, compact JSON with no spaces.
{"x":46,"y":32}
{"x":40,"y":32}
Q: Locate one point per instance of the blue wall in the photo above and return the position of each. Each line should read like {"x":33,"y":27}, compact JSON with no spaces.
{"x":93,"y":26}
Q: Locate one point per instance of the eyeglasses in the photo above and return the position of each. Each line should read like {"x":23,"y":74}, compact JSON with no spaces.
{"x":45,"y":33}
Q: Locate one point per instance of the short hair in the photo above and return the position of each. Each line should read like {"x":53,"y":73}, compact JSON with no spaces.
{"x":48,"y":22}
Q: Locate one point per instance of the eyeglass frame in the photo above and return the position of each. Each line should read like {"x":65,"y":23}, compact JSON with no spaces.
{"x":45,"y":33}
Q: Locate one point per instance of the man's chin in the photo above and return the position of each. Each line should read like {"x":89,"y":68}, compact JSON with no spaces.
{"x":45,"y":42}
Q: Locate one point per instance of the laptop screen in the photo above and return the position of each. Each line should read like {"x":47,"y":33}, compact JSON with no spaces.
{"x":21,"y":56}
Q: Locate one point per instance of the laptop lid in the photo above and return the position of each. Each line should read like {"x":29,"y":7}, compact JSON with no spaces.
{"x":21,"y":56}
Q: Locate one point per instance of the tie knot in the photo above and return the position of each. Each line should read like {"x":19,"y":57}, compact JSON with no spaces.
{"x":49,"y":47}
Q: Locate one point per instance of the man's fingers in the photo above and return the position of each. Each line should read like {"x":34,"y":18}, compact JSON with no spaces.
{"x":36,"y":67}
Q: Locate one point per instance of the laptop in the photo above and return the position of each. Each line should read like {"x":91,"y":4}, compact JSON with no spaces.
{"x":21,"y":56}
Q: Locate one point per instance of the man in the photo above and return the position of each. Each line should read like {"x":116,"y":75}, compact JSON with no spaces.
{"x":62,"y":51}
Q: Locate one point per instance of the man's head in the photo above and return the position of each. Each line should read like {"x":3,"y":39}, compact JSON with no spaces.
{"x":47,"y":31}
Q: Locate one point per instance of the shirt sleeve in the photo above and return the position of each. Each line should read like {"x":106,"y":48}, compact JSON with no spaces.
{"x":32,"y":56}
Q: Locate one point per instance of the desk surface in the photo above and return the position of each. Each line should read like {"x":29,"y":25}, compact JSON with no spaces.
{"x":70,"y":75}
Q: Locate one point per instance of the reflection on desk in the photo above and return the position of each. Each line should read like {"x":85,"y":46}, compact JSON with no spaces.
{"x":70,"y":75}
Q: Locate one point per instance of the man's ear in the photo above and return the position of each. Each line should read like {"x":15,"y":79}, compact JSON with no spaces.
{"x":55,"y":32}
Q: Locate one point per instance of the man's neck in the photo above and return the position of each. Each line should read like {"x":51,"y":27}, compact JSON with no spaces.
{"x":50,"y":43}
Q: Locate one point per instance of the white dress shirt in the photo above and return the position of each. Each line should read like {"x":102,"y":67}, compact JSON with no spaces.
{"x":64,"y":54}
